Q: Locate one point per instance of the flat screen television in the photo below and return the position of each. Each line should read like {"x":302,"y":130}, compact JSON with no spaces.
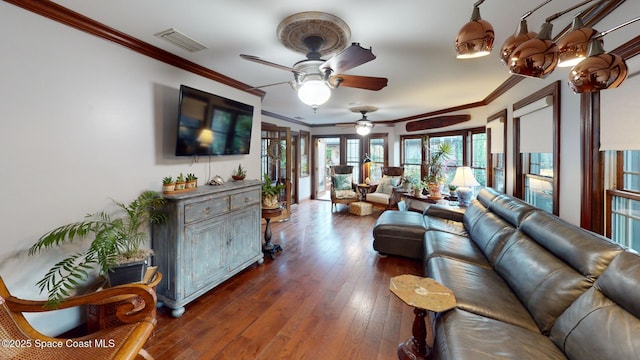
{"x":209,"y":124}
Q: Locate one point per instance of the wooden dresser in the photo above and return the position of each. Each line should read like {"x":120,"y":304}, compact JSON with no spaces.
{"x":211,"y":234}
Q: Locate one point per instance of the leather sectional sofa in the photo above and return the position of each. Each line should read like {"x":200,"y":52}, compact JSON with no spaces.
{"x":528,"y":285}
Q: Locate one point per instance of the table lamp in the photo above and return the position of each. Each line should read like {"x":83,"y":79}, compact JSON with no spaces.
{"x":463,"y":181}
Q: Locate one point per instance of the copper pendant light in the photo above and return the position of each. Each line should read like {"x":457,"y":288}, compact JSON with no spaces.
{"x":536,"y":57}
{"x":521,"y":35}
{"x":475,"y":38}
{"x":573,"y":46}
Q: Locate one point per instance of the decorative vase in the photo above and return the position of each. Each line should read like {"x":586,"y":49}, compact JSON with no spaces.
{"x":417,"y":192}
{"x":237,"y":177}
{"x":435,"y":191}
{"x":180,"y":185}
{"x":270,"y":202}
{"x":127,"y":273}
{"x":191,"y":184}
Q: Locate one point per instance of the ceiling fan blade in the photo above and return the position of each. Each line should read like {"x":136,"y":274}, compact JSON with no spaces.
{"x":360,"y":82}
{"x":268,"y":63}
{"x":436,"y":122}
{"x":348,"y":58}
{"x":290,"y":82}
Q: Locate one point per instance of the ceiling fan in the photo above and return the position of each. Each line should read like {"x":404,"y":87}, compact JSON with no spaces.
{"x":317,"y":34}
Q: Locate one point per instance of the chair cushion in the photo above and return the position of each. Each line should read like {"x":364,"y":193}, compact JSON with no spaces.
{"x":346,"y":194}
{"x":342,"y":181}
{"x":378,"y":198}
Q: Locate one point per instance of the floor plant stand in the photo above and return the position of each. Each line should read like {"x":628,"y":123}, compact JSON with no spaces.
{"x":269,"y":248}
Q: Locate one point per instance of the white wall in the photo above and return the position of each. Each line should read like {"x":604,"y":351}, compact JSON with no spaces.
{"x":83,"y":121}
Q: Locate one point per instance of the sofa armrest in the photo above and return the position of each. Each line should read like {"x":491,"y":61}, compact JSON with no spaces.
{"x":444,"y":212}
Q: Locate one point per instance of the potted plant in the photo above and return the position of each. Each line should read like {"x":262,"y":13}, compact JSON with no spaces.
{"x":270,"y":192}
{"x":192,"y":181}
{"x":117,"y":240}
{"x":168,"y":184}
{"x":240,"y":173}
{"x":181,"y":182}
{"x":436,"y":171}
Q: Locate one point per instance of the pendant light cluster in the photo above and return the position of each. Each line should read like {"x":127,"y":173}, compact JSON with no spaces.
{"x":536,"y":55}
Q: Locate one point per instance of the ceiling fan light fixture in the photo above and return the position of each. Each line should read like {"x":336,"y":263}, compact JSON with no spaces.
{"x":475,"y":38}
{"x":363,"y":127}
{"x":314,"y":92}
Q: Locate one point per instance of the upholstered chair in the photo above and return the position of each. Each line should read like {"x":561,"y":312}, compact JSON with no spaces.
{"x":387,"y":193}
{"x":342,"y":185}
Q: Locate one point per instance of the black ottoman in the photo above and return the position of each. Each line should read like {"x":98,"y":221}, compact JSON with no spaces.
{"x":400,"y":233}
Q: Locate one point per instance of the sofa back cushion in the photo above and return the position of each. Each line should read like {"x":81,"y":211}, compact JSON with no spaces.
{"x":490,"y":233}
{"x":545,"y":284}
{"x":511,"y":209}
{"x":474,"y":211}
{"x":549,"y":263}
{"x":585,"y":251}
{"x":604,"y":322}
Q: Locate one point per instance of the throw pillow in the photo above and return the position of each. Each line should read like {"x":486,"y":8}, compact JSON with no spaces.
{"x":384,"y":187}
{"x":342,"y":182}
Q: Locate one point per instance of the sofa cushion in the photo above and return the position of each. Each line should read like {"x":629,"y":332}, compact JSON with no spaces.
{"x":474,"y":212}
{"x":387,"y":183}
{"x":480,"y":290}
{"x":379,"y":198}
{"x":445,"y":244}
{"x":585,"y":251}
{"x":604,"y":322}
{"x":545,"y":284}
{"x":490,"y":233}
{"x":464,"y":335}
{"x":511,"y":209}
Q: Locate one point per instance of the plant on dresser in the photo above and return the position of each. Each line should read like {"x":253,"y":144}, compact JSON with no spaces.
{"x":270,"y":193}
{"x":117,"y":241}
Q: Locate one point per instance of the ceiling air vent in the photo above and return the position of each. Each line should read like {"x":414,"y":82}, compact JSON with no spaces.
{"x":179,"y":39}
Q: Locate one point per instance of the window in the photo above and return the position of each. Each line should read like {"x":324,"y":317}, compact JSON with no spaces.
{"x":469,"y":148}
{"x":377,"y":151}
{"x":623,"y":226}
{"x":496,"y":133}
{"x":304,"y":154}
{"x":412,"y":156}
{"x":354,"y":157}
{"x":536,"y":123}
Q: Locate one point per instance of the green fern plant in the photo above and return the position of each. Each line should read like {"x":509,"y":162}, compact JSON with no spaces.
{"x":117,"y":239}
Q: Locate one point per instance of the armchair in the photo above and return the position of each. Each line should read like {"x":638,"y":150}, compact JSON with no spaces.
{"x":342,"y":188}
{"x":123,"y":341}
{"x":387,"y":192}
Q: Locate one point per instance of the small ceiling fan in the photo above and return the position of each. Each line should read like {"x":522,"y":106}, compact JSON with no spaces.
{"x":364,"y":126}
{"x":317,"y":34}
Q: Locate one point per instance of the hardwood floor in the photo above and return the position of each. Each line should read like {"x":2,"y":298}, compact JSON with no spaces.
{"x":326,"y":296}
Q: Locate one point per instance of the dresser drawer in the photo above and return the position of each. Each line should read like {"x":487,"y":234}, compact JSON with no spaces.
{"x":205,"y":209}
{"x":245,"y":198}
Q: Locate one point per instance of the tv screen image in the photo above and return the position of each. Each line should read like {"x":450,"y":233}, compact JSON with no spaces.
{"x":209,"y":124}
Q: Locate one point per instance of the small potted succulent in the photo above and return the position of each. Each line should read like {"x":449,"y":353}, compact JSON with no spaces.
{"x":181,"y":182}
{"x":192,"y":181}
{"x":168,"y":184}
{"x":240,"y":173}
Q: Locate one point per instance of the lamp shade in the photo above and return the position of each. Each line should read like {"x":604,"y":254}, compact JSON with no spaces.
{"x":521,"y":35}
{"x":599,"y":71}
{"x":314,"y":93}
{"x":574,"y":45}
{"x":475,"y":38}
{"x":536,"y":57}
{"x":464,"y":177}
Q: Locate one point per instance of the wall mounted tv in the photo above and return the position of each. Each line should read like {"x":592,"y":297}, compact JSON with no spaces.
{"x":212,"y":125}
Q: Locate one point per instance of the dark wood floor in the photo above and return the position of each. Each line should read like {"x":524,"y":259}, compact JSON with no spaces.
{"x":326,"y":296}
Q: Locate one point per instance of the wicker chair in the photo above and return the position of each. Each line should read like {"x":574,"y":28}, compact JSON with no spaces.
{"x":384,"y":196}
{"x":342,"y":196}
{"x":124,"y":341}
